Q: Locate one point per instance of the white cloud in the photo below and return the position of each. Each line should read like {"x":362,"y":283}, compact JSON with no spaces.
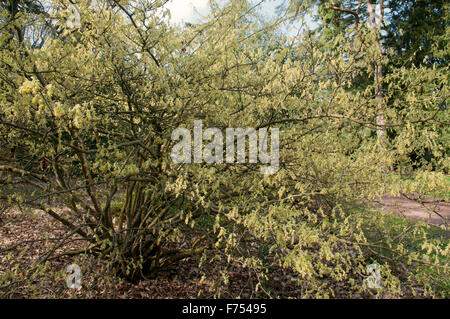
{"x":186,"y":10}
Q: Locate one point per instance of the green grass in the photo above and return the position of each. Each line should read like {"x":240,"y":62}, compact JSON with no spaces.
{"x":401,"y":232}
{"x":444,"y":194}
{"x":117,"y":203}
{"x":205,"y":221}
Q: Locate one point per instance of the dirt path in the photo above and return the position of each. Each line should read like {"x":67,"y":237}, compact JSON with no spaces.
{"x":434,"y":212}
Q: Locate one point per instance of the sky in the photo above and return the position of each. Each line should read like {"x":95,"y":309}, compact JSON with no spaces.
{"x":187,"y":10}
{"x":191,"y":10}
{"x":183,"y":11}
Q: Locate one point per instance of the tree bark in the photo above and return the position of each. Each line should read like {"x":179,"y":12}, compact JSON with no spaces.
{"x":381,"y":122}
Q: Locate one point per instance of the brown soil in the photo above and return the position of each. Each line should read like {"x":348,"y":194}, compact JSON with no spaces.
{"x":29,"y":236}
{"x":22,"y":236}
{"x":430,"y":210}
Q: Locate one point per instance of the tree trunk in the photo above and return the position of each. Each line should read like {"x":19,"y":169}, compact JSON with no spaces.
{"x":381,"y":129}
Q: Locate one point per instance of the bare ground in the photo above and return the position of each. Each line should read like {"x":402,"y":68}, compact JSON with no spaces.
{"x":38,"y":233}
{"x":431,"y":210}
{"x":29,"y":236}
